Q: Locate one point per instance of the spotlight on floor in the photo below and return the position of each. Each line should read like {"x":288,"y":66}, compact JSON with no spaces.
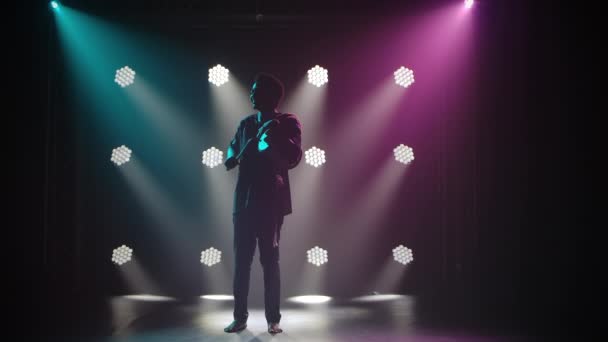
{"x":219,"y":297}
{"x":149,"y":298}
{"x":309,"y":299}
{"x":377,"y":297}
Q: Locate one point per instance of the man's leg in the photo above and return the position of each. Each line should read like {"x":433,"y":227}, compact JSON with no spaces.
{"x":269,"y":257}
{"x":244,"y":249}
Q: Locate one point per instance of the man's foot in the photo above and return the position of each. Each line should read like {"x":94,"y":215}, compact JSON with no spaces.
{"x":235,"y":326}
{"x":274,"y":328}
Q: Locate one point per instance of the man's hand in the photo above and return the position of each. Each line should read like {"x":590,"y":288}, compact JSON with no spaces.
{"x":266,"y":128}
{"x":231,"y":163}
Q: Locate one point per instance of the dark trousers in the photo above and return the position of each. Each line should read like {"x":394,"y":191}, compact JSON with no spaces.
{"x":250,"y":226}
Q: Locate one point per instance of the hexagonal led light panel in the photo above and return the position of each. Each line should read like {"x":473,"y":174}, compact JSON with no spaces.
{"x":317,"y":76}
{"x":211,"y":256}
{"x":317,"y":256}
{"x":403,"y":255}
{"x":121,"y":155}
{"x":404,"y":77}
{"x":404,"y":154}
{"x":124,"y":76}
{"x":315,"y":156}
{"x":218,"y":75}
{"x":212,"y":157}
{"x":122,"y":255}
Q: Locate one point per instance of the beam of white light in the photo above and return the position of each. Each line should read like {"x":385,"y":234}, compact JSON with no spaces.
{"x":230,"y":104}
{"x":172,"y":123}
{"x":154,"y":200}
{"x":308,"y":103}
{"x":139,"y":282}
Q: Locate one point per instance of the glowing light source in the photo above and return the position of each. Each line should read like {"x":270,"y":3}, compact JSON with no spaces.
{"x":212,"y":157}
{"x":403,"y":255}
{"x":315,"y":156}
{"x":317,"y":76}
{"x":120,"y":155}
{"x":55,"y":5}
{"x":403,"y":154}
{"x":468,"y":3}
{"x":121,"y":255}
{"x":317,"y":256}
{"x":404,"y":77}
{"x":124,"y":76}
{"x":218,"y":75}
{"x":211,"y":256}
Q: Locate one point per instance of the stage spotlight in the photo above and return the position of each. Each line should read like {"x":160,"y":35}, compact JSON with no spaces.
{"x":404,"y":77}
{"x":212,"y":157}
{"x":317,"y":256}
{"x":403,"y":255}
{"x":315,"y":156}
{"x":468,"y":3}
{"x":54,"y":5}
{"x":317,"y":76}
{"x":121,"y":255}
{"x":403,"y":154}
{"x":218,"y":75}
{"x":211,"y":256}
{"x":125,"y":76}
{"x":121,"y":155}
{"x":309,"y":299}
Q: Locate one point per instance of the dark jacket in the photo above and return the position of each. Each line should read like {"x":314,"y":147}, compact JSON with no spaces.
{"x":263,"y":179}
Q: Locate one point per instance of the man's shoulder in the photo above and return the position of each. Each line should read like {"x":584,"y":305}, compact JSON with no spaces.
{"x":248,"y":119}
{"x":289,"y":117}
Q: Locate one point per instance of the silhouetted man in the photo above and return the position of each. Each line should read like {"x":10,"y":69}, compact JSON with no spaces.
{"x":266,"y":145}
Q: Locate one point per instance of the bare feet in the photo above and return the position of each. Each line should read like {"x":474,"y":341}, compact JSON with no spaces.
{"x":274,"y":328}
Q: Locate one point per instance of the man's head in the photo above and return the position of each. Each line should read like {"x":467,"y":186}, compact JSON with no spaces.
{"x":266,"y":92}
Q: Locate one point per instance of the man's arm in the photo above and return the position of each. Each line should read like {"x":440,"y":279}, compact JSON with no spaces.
{"x":285,"y":144}
{"x":233,"y":150}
